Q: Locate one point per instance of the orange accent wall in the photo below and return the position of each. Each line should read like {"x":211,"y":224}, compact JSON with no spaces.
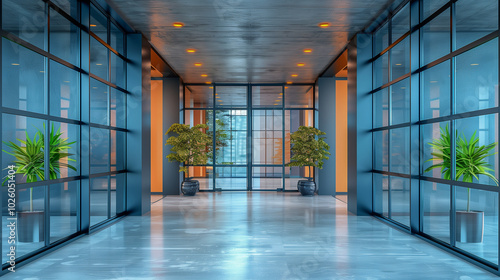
{"x":341,"y":132}
{"x":157,"y":136}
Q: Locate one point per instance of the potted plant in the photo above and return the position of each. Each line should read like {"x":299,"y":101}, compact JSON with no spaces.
{"x":470,"y":163}
{"x":29,"y":161}
{"x":308,"y":149}
{"x":190,"y":147}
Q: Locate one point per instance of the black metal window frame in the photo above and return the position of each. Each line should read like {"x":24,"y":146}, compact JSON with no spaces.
{"x":250,"y":108}
{"x":83,"y":203}
{"x":415,"y":124}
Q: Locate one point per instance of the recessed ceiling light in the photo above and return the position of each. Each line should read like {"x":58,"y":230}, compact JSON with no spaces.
{"x":398,"y":64}
{"x":301,"y":64}
{"x":66,"y":81}
{"x":280,"y":96}
{"x":295,"y":75}
{"x":42,"y":71}
{"x":212,"y":88}
{"x":285,"y":88}
{"x":308,"y":50}
{"x":216,"y":94}
{"x":93,"y":25}
{"x":217,"y":97}
{"x":98,"y":64}
{"x":15,"y":64}
{"x":289,"y":83}
{"x":198,"y":64}
{"x":324,"y":24}
{"x":178,"y":24}
{"x":94,"y":87}
{"x":281,"y":93}
{"x":433,"y":82}
{"x":190,"y":50}
{"x":204,"y":75}
{"x":275,"y":104}
{"x":208,"y":83}
{"x":474,"y":64}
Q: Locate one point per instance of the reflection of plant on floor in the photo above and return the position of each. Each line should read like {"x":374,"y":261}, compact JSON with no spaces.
{"x":470,"y":158}
{"x":30,"y":156}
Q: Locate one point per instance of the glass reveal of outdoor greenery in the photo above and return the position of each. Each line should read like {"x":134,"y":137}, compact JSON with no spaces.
{"x":470,"y":158}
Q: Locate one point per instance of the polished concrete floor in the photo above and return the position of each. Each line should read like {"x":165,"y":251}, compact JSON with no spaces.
{"x":239,"y":235}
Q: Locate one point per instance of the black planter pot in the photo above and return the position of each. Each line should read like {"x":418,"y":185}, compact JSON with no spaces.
{"x":190,"y":187}
{"x":469,"y":226}
{"x":30,"y":226}
{"x":306,"y":187}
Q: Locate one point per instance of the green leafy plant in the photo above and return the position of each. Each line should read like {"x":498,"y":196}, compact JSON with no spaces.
{"x":29,"y":156}
{"x":470,"y":158}
{"x":308,"y":148}
{"x":221,"y":137}
{"x":190,"y":146}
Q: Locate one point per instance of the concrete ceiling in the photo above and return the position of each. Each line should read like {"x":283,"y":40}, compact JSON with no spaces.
{"x":249,"y":40}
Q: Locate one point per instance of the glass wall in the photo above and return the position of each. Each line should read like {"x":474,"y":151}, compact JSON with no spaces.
{"x":252,"y":133}
{"x":63,"y":118}
{"x":435,"y":125}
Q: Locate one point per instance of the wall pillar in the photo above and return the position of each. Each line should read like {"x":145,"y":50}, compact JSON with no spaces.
{"x":171,"y":105}
{"x":326,"y":123}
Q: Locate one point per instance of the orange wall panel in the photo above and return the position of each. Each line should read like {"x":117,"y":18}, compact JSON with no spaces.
{"x":341,"y":132}
{"x":157,"y":136}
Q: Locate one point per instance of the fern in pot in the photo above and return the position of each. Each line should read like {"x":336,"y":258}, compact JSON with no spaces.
{"x":29,"y":162}
{"x":471,"y":162}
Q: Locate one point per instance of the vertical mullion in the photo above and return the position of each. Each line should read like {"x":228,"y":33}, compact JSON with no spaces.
{"x":249,"y":138}
{"x":1,"y":114}
{"x":283,"y":128}
{"x":47,"y":129}
{"x":452,"y":128}
{"x":214,"y":158}
{"x":498,"y":131}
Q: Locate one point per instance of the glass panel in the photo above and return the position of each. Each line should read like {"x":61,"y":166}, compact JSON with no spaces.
{"x":195,"y":117}
{"x":98,"y":23}
{"x":267,"y":139}
{"x":68,"y":163}
{"x":381,"y":71}
{"x":64,"y":92}
{"x":118,"y":150}
{"x":30,"y":214}
{"x":64,"y":38}
{"x":98,"y":199}
{"x":436,"y":91}
{"x":22,"y":78}
{"x":231,"y":178}
{"x":400,"y":97}
{"x":400,"y":59}
{"x":117,"y":194}
{"x":199,"y":97}
{"x":14,"y":130}
{"x":204,"y":175}
{"x":117,"y":70}
{"x":436,"y":210}
{"x":400,"y":150}
{"x":98,"y":102}
{"x":299,"y":96}
{"x":400,"y":200}
{"x":436,"y":38}
{"x":475,"y":19}
{"x":231,"y":137}
{"x":431,"y":6}
{"x":98,"y":59}
{"x":431,"y":134}
{"x":25,"y":19}
{"x":294,"y":119}
{"x":294,"y":174}
{"x":381,"y":150}
{"x":99,"y":150}
{"x":381,"y":39}
{"x":381,"y":108}
{"x":267,"y":178}
{"x":69,"y":6}
{"x":231,"y":96}
{"x":381,"y":194}
{"x":480,"y":203}
{"x":482,"y":129}
{"x":267,"y":97}
{"x":118,"y":108}
{"x":117,"y":39}
{"x":63,"y":210}
{"x":477,"y":78}
{"x":401,"y":23}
